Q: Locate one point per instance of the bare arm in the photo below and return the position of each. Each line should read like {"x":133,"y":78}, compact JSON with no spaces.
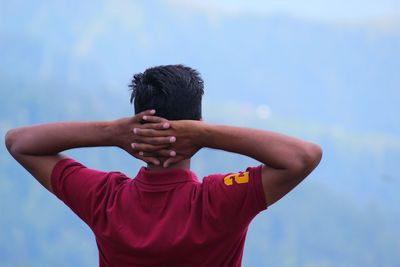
{"x":37,"y":148}
{"x":287,"y":160}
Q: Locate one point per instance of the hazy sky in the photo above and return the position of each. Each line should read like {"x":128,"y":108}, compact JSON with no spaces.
{"x":313,"y":9}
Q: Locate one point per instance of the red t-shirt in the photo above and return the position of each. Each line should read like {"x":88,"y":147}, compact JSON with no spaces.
{"x":166,"y":218}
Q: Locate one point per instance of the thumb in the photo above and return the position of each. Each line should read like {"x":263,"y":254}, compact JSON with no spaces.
{"x":171,"y":161}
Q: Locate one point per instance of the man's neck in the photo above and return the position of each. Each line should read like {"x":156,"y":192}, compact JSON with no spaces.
{"x":184,"y":164}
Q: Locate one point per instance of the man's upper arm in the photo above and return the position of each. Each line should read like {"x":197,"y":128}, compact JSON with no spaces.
{"x":234,"y":199}
{"x":278,"y":182}
{"x":41,"y":167}
{"x":84,"y":190}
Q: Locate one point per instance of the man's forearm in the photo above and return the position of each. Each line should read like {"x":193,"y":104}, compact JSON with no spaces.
{"x":273,"y":149}
{"x":52,"y":138}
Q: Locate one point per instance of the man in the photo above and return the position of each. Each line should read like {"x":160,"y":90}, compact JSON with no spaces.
{"x":165,"y":216}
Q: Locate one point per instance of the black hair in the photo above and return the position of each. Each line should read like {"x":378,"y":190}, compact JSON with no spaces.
{"x":174,"y":91}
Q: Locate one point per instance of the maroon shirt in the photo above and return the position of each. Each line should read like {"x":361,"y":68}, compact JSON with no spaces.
{"x":166,"y":218}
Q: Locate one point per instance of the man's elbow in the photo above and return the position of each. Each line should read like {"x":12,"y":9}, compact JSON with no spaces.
{"x":315,"y":154}
{"x":9,"y":140}
{"x":308,"y":159}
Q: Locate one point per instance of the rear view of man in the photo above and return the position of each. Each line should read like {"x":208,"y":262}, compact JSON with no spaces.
{"x":165,"y":216}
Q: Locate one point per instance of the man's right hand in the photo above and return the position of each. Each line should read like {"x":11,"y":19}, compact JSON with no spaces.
{"x":121,"y":131}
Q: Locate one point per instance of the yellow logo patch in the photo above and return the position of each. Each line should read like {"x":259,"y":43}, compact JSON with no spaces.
{"x":239,"y":178}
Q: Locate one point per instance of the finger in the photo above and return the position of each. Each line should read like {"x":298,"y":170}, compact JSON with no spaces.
{"x":147,"y":147}
{"x":149,"y":132}
{"x":151,"y":160}
{"x":153,"y":119}
{"x":165,"y":153}
{"x":157,"y":126}
{"x":172,"y":160}
{"x":156,"y":140}
{"x":138,"y":117}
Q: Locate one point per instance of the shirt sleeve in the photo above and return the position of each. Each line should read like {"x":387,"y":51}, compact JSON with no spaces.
{"x":234,"y":199}
{"x":85,"y":191}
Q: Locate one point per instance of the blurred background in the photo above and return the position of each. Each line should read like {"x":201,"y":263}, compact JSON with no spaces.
{"x":326,"y":71}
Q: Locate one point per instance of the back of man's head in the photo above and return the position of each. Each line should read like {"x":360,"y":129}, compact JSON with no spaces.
{"x":174,"y":91}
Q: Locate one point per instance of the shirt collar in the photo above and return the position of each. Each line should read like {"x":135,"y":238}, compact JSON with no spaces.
{"x":168,"y":176}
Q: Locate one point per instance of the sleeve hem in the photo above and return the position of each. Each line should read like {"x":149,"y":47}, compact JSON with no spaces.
{"x":56,"y":172}
{"x":258,"y":187}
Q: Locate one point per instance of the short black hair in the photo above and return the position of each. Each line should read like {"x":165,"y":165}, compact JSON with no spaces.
{"x":174,"y":91}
